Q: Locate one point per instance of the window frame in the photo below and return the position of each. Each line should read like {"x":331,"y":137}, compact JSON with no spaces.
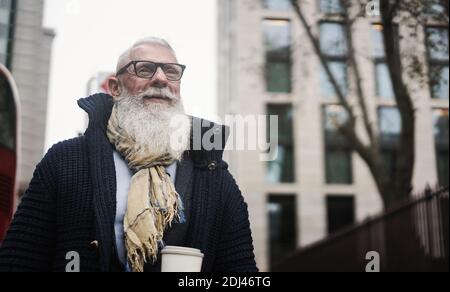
{"x":284,"y":143}
{"x":328,"y":198}
{"x":271,"y":198}
{"x":440,"y":146}
{"x":270,"y":57}
{"x":335,"y":58}
{"x":434,"y":62}
{"x":339,"y":143}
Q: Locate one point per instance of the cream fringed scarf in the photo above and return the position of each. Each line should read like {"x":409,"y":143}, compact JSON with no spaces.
{"x":153,"y":203}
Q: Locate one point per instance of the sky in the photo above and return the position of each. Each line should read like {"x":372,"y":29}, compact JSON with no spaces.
{"x":91,"y":34}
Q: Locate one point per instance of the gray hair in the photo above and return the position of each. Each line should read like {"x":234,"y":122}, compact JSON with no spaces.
{"x":126,"y":56}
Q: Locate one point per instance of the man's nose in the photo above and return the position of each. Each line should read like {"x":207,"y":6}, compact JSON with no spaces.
{"x":159,"y":79}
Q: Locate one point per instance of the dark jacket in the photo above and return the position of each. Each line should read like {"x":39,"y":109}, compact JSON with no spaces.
{"x":71,"y":204}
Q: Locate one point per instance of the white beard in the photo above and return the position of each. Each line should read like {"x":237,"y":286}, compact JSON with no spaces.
{"x":157,"y":128}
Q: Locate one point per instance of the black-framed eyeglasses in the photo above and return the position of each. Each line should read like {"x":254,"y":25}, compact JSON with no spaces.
{"x":147,"y":69}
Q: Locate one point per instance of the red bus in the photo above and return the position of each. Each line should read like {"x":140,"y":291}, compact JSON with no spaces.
{"x":9,"y":148}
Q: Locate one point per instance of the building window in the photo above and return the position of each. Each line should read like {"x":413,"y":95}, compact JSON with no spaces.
{"x":340,"y":212}
{"x":437,"y":39}
{"x":339,"y":71}
{"x":281,"y":5}
{"x":338,"y":166}
{"x":333,"y":39}
{"x":333,"y":44}
{"x":338,"y":155}
{"x":390,"y":131}
{"x":282,"y":227}
{"x":435,"y":10}
{"x":384,"y":88}
{"x":6,"y":25}
{"x":441,"y":137}
{"x":390,"y":124}
{"x":277,"y":38}
{"x":378,"y":50}
{"x":383,"y":81}
{"x":282,"y":169}
{"x":331,"y":7}
{"x":439,"y":81}
{"x":437,"y":44}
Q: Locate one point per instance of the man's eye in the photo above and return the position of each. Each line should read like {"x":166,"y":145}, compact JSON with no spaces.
{"x":171,"y":71}
{"x":144,"y":69}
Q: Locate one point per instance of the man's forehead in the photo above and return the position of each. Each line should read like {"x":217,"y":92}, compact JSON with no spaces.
{"x":153,"y":52}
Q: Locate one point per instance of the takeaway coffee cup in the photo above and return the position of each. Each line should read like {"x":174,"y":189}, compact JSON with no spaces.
{"x":181,"y":259}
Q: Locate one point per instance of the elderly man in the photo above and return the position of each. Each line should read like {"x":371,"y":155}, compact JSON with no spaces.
{"x":133,"y":183}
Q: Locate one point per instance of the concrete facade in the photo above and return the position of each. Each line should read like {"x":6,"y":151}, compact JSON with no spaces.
{"x":242,"y":91}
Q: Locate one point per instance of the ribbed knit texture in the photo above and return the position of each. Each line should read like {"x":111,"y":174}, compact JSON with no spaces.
{"x":71,"y":202}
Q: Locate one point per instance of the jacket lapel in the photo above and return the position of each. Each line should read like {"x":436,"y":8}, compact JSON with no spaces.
{"x":101,"y":167}
{"x":183,"y":183}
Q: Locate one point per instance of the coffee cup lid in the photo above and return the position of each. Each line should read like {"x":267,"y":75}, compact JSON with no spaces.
{"x":182,"y":251}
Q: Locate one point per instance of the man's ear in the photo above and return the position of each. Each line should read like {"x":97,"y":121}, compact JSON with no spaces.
{"x":114,"y":86}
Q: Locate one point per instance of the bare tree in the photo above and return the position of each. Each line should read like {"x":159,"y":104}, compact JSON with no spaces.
{"x":398,"y":185}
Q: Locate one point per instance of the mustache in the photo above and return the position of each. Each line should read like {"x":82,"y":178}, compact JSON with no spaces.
{"x":151,"y":92}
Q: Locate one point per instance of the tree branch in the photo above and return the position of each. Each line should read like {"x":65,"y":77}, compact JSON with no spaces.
{"x":356,"y":71}
{"x":348,"y":130}
{"x":406,"y":155}
{"x":323,"y":61}
{"x":393,"y":9}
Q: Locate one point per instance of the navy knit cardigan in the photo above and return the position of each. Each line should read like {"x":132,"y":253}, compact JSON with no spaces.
{"x":71,"y":203}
